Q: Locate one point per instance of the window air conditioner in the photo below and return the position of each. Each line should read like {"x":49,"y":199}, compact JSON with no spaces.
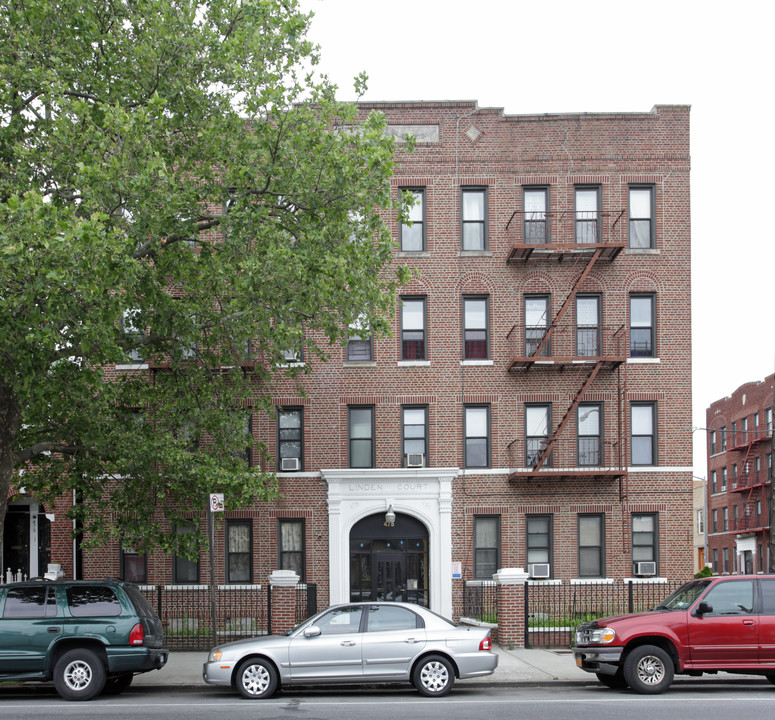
{"x":290,"y":464}
{"x":646,"y":568}
{"x":415,"y":460}
{"x":539,"y":570}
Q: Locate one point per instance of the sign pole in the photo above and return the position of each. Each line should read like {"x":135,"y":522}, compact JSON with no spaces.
{"x":215,"y":505}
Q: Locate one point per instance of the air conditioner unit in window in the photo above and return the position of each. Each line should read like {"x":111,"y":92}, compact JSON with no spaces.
{"x":646,"y":568}
{"x":290,"y":464}
{"x":539,"y":570}
{"x":415,"y":460}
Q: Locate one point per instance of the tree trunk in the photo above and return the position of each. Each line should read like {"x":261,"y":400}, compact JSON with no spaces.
{"x":10,"y":418}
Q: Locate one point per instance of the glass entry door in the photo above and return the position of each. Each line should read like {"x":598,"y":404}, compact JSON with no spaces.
{"x":389,"y":563}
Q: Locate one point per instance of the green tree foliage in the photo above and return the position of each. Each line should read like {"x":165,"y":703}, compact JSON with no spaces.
{"x":176,"y":185}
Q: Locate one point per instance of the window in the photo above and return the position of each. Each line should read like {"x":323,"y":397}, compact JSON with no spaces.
{"x":642,"y":217}
{"x":723,"y":479}
{"x":290,"y":546}
{"x":642,"y":334}
{"x":290,"y":439}
{"x":725,"y":553}
{"x":477,"y":436}
{"x":768,"y":421}
{"x":30,"y":602}
{"x":723,"y":438}
{"x":487,"y":542}
{"x":359,"y":342}
{"x":414,"y":431}
{"x":239,"y":551}
{"x":476,"y":342}
{"x":714,"y":520}
{"x":132,"y":327}
{"x":715,"y":560}
{"x":537,"y":423}
{"x":712,"y":442}
{"x":539,"y":539}
{"x":413,"y":329}
{"x":341,"y":621}
{"x":644,"y":539}
{"x":413,"y":232}
{"x":185,"y":571}
{"x":535,"y":203}
{"x":643,"y":430}
{"x":536,"y":323}
{"x":591,"y":546}
{"x":587,"y":215}
{"x":589,"y":435}
{"x":360,"y":428}
{"x":724,"y":519}
{"x":92,"y":601}
{"x":385,"y":618}
{"x":712,"y":481}
{"x":474,"y":215}
{"x":700,"y":522}
{"x":588,"y":326}
{"x":134,"y":566}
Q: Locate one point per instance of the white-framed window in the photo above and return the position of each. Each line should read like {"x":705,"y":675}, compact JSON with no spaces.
{"x":474,"y":218}
{"x":641,"y":211}
{"x":412,"y":233}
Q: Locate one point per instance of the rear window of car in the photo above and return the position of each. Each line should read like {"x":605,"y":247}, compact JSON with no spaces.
{"x":93,"y":601}
{"x":30,"y":602}
{"x":140,"y":602}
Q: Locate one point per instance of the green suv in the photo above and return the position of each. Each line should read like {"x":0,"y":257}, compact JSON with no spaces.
{"x":89,"y":637}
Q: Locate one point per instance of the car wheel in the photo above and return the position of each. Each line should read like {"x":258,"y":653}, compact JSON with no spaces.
{"x":616,"y":682}
{"x":648,"y":670}
{"x":256,"y":679}
{"x":79,"y":675}
{"x":117,"y":685}
{"x":433,"y":676}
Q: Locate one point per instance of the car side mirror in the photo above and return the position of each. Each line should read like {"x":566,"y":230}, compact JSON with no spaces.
{"x":312,"y":631}
{"x":704,"y":608}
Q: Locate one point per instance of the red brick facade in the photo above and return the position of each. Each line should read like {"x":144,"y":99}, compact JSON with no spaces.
{"x":739,"y":478}
{"x":629,"y":401}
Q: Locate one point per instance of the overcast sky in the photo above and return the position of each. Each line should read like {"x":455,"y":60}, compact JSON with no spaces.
{"x":549,"y":56}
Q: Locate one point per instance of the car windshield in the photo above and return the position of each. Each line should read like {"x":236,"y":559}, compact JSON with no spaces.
{"x":684,"y":596}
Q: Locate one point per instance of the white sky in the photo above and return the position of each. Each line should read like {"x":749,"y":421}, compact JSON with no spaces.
{"x":547,"y":56}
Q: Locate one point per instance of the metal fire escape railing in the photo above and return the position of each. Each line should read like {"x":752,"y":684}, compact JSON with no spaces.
{"x":586,"y":244}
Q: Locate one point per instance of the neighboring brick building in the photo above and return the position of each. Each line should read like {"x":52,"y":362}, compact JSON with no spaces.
{"x":740,"y":478}
{"x":533,"y":407}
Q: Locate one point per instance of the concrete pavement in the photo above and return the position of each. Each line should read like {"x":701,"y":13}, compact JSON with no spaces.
{"x":516,"y":667}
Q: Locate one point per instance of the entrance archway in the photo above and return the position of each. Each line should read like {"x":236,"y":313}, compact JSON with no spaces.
{"x":389,"y":563}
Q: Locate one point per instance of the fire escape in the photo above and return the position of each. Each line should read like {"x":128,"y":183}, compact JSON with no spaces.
{"x":752,"y":479}
{"x":589,"y":357}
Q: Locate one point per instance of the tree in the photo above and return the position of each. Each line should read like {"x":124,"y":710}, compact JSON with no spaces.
{"x":176,"y":186}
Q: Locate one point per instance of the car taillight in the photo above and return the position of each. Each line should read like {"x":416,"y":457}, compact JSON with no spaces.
{"x":137,"y":635}
{"x":486,"y":644}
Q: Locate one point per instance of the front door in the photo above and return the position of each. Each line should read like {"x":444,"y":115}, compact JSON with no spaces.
{"x":389,"y":577}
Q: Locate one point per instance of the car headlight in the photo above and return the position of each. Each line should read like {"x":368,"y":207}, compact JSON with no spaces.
{"x":596,"y":636}
{"x":215,"y":655}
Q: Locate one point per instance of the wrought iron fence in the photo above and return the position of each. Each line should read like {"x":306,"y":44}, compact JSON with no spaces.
{"x":553,"y":611}
{"x":480,"y":602}
{"x":240,"y":611}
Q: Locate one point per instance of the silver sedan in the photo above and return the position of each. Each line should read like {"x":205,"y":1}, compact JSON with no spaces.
{"x":368,"y":642}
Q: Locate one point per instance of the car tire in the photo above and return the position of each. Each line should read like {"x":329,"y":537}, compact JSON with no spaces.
{"x":433,"y":676}
{"x":79,"y":674}
{"x":117,"y":685}
{"x":649,"y":670}
{"x":615,"y":682}
{"x":256,"y":679}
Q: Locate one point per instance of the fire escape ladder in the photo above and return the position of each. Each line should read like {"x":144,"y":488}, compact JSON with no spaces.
{"x":546,"y":451}
{"x":748,"y":505}
{"x":567,"y":303}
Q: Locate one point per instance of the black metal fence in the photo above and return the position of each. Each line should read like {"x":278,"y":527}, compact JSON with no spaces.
{"x":480,"y":602}
{"x":240,"y":611}
{"x":553,"y":611}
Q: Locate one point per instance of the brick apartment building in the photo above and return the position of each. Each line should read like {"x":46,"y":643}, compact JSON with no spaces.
{"x":532,"y":409}
{"x":740,"y":478}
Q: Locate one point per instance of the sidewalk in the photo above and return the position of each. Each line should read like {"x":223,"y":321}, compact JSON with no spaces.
{"x":515,"y":667}
{"x":519,"y":666}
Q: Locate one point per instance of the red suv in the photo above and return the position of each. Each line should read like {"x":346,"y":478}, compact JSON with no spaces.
{"x":720,"y":623}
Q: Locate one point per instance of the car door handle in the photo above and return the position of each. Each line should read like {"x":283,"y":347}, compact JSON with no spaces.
{"x":747,"y":622}
{"x":411,"y":641}
{"x":53,"y":629}
{"x":347,"y":643}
